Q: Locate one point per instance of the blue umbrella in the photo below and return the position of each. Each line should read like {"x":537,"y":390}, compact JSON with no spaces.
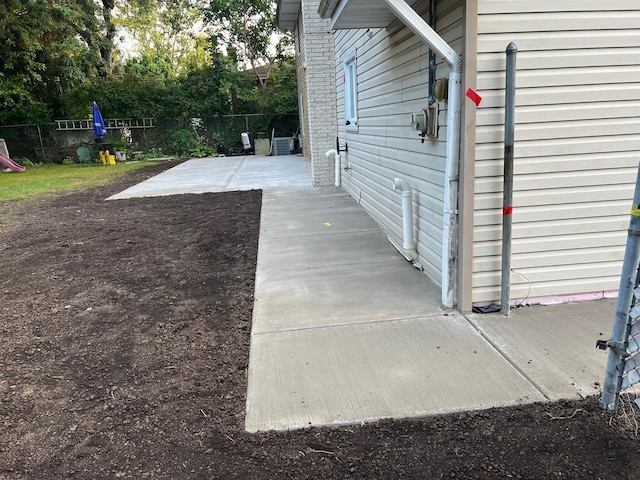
{"x":99,"y":129}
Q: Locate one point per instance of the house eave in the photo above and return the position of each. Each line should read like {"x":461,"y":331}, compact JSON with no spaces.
{"x":287,"y":13}
{"x":348,"y":14}
{"x":326,"y":8}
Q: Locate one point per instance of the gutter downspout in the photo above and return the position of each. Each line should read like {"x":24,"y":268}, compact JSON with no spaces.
{"x":418,"y":26}
{"x":336,"y":160}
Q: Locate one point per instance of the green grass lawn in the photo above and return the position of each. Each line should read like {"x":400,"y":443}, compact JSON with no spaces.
{"x":47,"y":179}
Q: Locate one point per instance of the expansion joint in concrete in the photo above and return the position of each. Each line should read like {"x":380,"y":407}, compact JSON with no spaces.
{"x":504,"y":355}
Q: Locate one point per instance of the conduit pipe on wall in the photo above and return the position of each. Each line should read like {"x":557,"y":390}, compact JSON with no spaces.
{"x":336,"y":160}
{"x":418,"y":26}
{"x":408,"y":244}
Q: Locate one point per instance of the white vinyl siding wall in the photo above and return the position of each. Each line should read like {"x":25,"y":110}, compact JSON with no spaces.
{"x":392,"y":82}
{"x":577,"y":144}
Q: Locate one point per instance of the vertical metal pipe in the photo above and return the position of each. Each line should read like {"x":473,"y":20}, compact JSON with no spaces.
{"x":432,"y":54}
{"x":507,"y":195}
{"x":617,"y":344}
{"x":41,"y":144}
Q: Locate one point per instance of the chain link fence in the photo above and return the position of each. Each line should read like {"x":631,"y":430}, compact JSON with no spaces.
{"x":46,"y":143}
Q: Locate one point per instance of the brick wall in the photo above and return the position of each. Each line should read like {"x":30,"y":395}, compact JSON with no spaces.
{"x":316,"y":69}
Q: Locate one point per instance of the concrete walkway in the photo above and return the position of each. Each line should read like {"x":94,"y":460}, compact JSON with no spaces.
{"x":346,"y":331}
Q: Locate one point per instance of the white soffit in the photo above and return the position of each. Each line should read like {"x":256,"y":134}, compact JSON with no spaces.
{"x":287,"y":13}
{"x":347,"y":14}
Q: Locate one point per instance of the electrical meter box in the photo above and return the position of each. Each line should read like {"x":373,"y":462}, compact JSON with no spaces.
{"x":426,"y":121}
{"x":419,"y":122}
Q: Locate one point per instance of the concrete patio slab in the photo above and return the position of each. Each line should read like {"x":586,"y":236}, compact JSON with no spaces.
{"x":554,"y":346}
{"x":346,"y":330}
{"x":353,"y":248}
{"x":336,"y":295}
{"x":256,"y":172}
{"x":220,"y":174}
{"x":324,"y":261}
{"x":372,"y":370}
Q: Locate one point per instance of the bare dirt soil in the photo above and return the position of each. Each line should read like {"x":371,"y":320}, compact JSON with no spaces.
{"x":124,"y":344}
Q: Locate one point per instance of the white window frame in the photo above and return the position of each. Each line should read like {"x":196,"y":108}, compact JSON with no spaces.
{"x":350,"y":92}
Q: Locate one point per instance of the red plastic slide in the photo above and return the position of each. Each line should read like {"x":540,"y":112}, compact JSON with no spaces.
{"x":7,"y":162}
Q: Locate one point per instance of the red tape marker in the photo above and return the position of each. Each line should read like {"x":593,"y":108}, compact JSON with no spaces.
{"x":507,"y":210}
{"x":475,"y":98}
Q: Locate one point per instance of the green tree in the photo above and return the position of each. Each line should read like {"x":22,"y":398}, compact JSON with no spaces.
{"x":23,"y":25}
{"x":129,"y":95}
{"x":249,"y":27}
{"x":161,"y":28}
{"x":97,"y":29}
{"x":207,"y":89}
{"x":145,"y":65}
{"x":149,"y":88}
{"x":282,"y":89}
{"x":107,"y":36}
{"x":47,"y":47}
{"x":59,"y":55}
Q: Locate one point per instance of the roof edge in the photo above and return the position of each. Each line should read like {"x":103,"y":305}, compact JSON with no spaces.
{"x":327,"y":7}
{"x":287,"y":13}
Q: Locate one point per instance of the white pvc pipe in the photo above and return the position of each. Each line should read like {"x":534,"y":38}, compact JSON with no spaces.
{"x":336,"y":160}
{"x":408,"y":244}
{"x":417,"y":25}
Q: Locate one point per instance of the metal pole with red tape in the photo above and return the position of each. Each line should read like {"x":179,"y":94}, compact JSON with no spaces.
{"x":507,"y":194}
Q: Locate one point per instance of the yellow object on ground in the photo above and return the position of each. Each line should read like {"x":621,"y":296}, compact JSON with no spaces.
{"x":107,"y":159}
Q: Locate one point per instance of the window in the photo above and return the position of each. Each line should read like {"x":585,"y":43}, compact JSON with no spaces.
{"x":350,"y":92}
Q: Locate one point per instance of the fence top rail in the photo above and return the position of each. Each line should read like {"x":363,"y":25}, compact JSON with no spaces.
{"x":114,"y":123}
{"x":240,"y":115}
